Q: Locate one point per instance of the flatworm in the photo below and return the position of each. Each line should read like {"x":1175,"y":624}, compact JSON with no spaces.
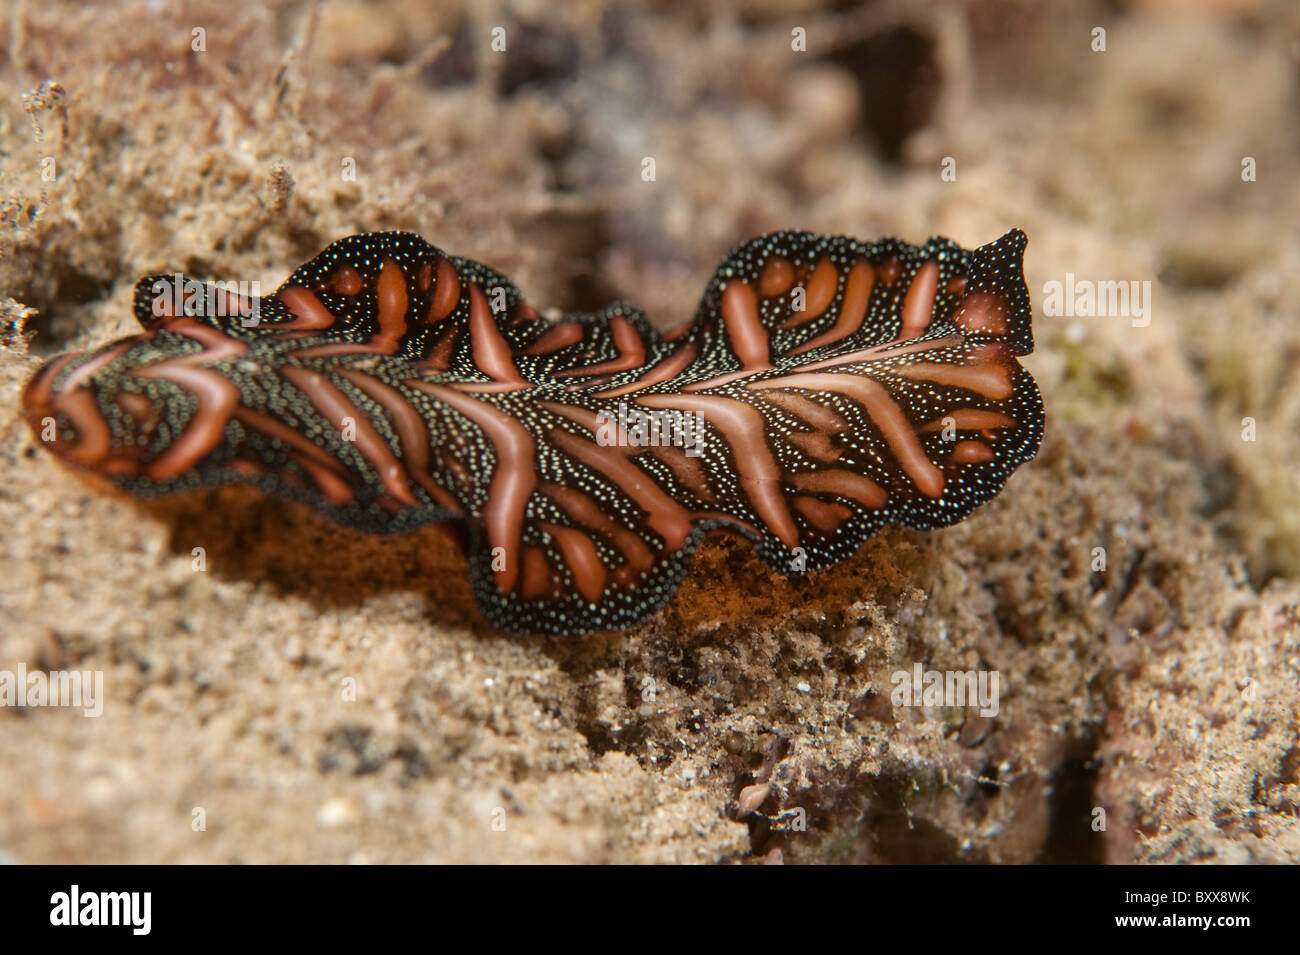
{"x":825,"y":388}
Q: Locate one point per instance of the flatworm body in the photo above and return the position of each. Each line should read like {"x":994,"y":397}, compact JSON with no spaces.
{"x":825,"y":388}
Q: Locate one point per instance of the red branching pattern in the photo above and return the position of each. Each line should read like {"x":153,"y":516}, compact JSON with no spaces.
{"x":825,"y":388}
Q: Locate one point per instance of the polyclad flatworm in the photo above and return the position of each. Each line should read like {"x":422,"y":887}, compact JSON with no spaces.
{"x":826,"y":388}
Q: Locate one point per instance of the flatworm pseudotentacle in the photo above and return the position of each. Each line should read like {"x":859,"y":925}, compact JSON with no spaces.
{"x":825,"y":388}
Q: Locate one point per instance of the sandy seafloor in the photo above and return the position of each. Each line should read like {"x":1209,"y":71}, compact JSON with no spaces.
{"x":1162,"y":690}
